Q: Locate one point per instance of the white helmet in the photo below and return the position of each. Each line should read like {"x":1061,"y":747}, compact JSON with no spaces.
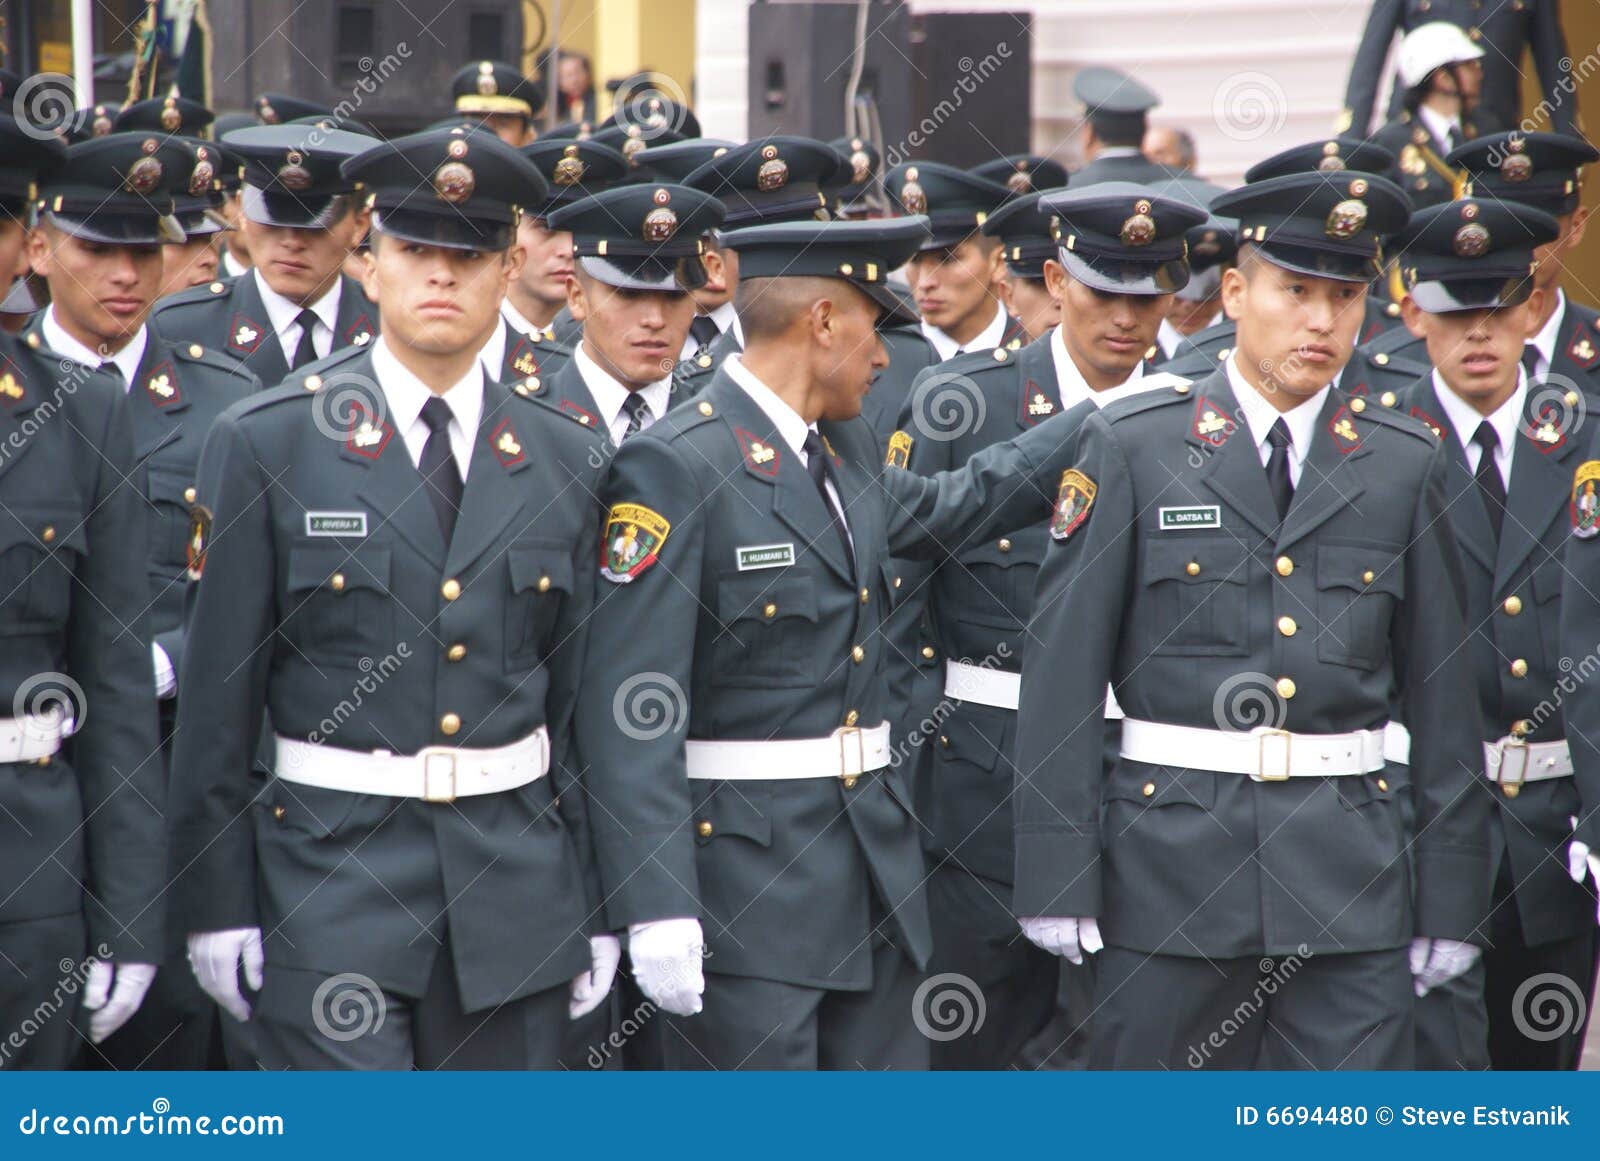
{"x":1432,"y":46}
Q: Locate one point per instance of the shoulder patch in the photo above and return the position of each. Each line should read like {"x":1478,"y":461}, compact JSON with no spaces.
{"x":899,"y":450}
{"x":632,"y":543}
{"x":1073,"y":500}
{"x":1585,"y":503}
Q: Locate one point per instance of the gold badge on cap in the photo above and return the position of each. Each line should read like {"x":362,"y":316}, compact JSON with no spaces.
{"x":293,"y":174}
{"x":1348,"y":218}
{"x":570,"y":169}
{"x":1021,"y":181}
{"x":1331,"y":162}
{"x":1472,"y":240}
{"x":660,"y":223}
{"x":774,"y":171}
{"x":143,"y":175}
{"x":1516,"y":166}
{"x":912,"y":196}
{"x":634,"y":143}
{"x":655,"y":116}
{"x":454,"y":182}
{"x":486,"y":85}
{"x":267,"y":113}
{"x":1140,"y":228}
{"x":170,"y":117}
{"x":860,"y":162}
{"x":204,"y":171}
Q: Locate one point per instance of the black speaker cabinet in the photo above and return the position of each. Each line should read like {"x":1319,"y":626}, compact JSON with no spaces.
{"x":972,"y":89}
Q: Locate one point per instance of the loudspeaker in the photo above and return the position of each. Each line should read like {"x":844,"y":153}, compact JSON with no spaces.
{"x":972,"y":88}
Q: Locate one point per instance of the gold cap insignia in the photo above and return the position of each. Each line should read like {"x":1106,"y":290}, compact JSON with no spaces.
{"x":1346,"y":219}
{"x":570,"y":169}
{"x":454,"y":182}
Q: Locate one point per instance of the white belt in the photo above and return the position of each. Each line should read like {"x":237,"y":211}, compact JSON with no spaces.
{"x":1397,"y":743}
{"x":1511,"y":761}
{"x":1266,"y":755}
{"x":435,"y":774}
{"x":965,"y":681}
{"x":31,"y":738}
{"x":848,"y":752}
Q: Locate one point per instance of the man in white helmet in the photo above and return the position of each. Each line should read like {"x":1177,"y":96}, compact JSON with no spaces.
{"x":1440,"y":73}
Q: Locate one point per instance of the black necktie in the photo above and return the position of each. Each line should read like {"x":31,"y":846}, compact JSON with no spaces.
{"x":703,"y":330}
{"x":438,"y":466}
{"x":1452,"y":138}
{"x":1490,"y":486}
{"x":111,"y":368}
{"x":819,"y":468}
{"x":635,"y":408}
{"x":1530,"y":361}
{"x":1278,"y":480}
{"x":305,"y":351}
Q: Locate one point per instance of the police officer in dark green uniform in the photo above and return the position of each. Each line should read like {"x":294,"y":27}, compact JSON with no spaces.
{"x":406,"y":600}
{"x":981,"y":594}
{"x":83,"y":855}
{"x":499,"y":98}
{"x":301,"y":219}
{"x":746,"y":558}
{"x":102,"y":286}
{"x":1221,"y":556}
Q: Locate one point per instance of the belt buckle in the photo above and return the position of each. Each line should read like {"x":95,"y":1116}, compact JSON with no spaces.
{"x":861,"y":751}
{"x":1261,"y":774}
{"x":1519,"y":745}
{"x":431,"y":774}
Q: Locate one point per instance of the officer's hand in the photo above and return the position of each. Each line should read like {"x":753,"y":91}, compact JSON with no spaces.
{"x":113,"y":1004}
{"x":588,"y":989}
{"x":215,"y":957}
{"x":1582,"y":863}
{"x":1066,"y":937}
{"x":1438,"y":961}
{"x":666,"y":963}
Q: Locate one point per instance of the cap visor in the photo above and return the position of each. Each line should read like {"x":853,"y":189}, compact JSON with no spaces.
{"x":1320,"y":263}
{"x":120,"y":229}
{"x":895,"y":310}
{"x":1458,"y":294}
{"x":291,"y":213}
{"x":448,"y":231}
{"x":662,"y":274}
{"x":1119,"y":276}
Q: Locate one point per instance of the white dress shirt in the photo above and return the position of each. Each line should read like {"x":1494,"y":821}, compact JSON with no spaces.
{"x":789,"y":424}
{"x":231,"y":267}
{"x":1074,"y":388}
{"x":727,"y":319}
{"x":610,"y":395}
{"x":522,"y":324}
{"x":1549,"y":335}
{"x":1440,"y":127}
{"x":283,"y":315}
{"x":127,"y":360}
{"x":1464,"y":418}
{"x":1259,"y":416}
{"x":404,"y":394}
{"x":986,"y":339}
{"x":493,"y":355}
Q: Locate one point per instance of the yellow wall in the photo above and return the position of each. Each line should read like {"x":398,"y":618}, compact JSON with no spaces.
{"x":621,"y":37}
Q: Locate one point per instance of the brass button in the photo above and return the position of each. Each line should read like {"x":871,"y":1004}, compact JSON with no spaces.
{"x":896,"y":582}
{"x":850,"y":782}
{"x":1286,"y":687}
{"x":1519,"y":668}
{"x":337,"y":582}
{"x":865,"y":596}
{"x":852,"y":718}
{"x":927,"y":652}
{"x":944,"y":739}
{"x":189,"y":495}
{"x":703,"y":828}
{"x":1286,"y":626}
{"x":451,"y":589}
{"x":1388,"y":399}
{"x":1358,"y":405}
{"x":313,"y":382}
{"x":858,"y":655}
{"x":48,"y":534}
{"x":770,"y":611}
{"x":1383,"y":784}
{"x":449,"y":724}
{"x":456,"y":652}
{"x":1192,"y":568}
{"x":1512,"y":789}
{"x":1521,"y":728}
{"x":278,"y":812}
{"x":544,"y":584}
{"x":1366,"y":577}
{"x":705,"y":408}
{"x":1005,"y":544}
{"x":1149,"y":789}
{"x":1513,"y":606}
{"x":1285,"y":566}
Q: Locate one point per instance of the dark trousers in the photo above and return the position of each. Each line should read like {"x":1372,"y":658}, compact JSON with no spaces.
{"x":312,"y":1020}
{"x":1322,"y":1011}
{"x":984,"y":966}
{"x":1062,"y":1045}
{"x":42,"y":978}
{"x":750,"y":1023}
{"x":1453,"y":1024}
{"x":171,"y":1031}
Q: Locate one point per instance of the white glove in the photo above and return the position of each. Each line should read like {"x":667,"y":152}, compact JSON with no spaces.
{"x":113,"y":1005}
{"x":588,"y":989}
{"x":166,"y":676}
{"x":1582,"y":863}
{"x":666,"y":957}
{"x":215,"y":958}
{"x":1071,"y":938}
{"x":1438,"y":961}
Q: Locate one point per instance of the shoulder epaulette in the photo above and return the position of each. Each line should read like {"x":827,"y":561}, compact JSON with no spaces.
{"x":1180,"y":390}
{"x":206,"y":357}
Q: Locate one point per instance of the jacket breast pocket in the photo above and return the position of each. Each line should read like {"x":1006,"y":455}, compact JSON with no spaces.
{"x":1197,"y":589}
{"x":40,"y":552}
{"x":169,"y":522}
{"x":1547,"y":581}
{"x":995,"y":582}
{"x":339,"y":606}
{"x":1358,"y":588}
{"x":767,"y":628}
{"x":541,"y":584}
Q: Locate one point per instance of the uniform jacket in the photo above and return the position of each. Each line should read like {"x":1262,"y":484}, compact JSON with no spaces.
{"x":1189,"y":624}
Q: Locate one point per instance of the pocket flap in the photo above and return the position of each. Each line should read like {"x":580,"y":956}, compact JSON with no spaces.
{"x":540,"y":567}
{"x":1166,"y":785}
{"x":169,"y":485}
{"x":735,"y":810}
{"x":45,"y":529}
{"x":314,"y":566}
{"x":766,"y":598}
{"x":1214,"y":559}
{"x":968,"y":738}
{"x":1360,"y":569}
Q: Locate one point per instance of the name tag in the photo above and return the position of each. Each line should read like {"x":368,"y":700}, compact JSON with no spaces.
{"x":1193,"y":516}
{"x":753,"y":556}
{"x":336,"y":523}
